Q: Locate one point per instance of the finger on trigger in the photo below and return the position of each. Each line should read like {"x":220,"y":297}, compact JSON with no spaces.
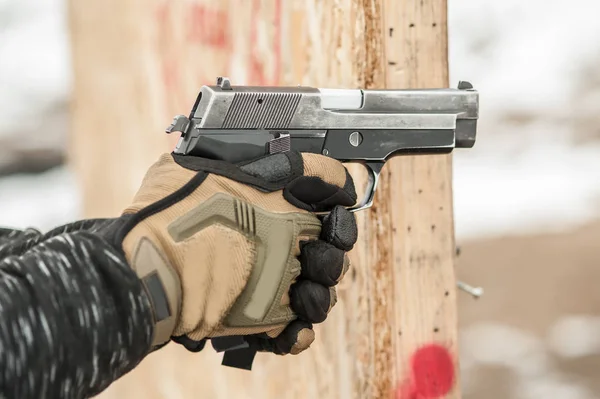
{"x":322,"y":263}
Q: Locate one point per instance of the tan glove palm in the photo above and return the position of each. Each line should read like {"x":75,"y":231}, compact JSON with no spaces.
{"x":217,"y":246}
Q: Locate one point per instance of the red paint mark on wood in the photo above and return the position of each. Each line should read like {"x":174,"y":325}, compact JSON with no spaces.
{"x":162,"y":13}
{"x":168,"y":68}
{"x":257,"y":71}
{"x":207,"y":26}
{"x":432,"y":374}
{"x":170,"y":76}
{"x":277,"y":47}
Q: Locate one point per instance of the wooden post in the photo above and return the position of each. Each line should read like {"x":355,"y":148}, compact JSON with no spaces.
{"x":393,"y":332}
{"x":414,"y":216}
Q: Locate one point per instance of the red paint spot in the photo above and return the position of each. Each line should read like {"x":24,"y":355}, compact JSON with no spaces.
{"x":432,"y":374}
{"x":206,"y":30}
{"x":257,"y":70}
{"x":208,"y":27}
{"x":277,"y":47}
{"x":162,"y":12}
{"x":170,"y":76}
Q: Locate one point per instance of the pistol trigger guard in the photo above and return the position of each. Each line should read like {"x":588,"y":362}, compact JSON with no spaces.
{"x":374,"y":169}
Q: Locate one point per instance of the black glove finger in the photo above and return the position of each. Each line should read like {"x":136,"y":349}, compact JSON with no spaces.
{"x":189,"y":344}
{"x":295,"y":338}
{"x":322,"y":263}
{"x":312,"y":301}
{"x":339,"y":228}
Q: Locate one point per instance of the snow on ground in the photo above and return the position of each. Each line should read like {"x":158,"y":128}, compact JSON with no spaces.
{"x":535,"y":373}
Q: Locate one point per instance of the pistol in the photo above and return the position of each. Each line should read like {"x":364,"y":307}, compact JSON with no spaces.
{"x":241,"y":123}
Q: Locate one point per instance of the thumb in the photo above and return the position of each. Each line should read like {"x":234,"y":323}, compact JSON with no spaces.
{"x":324,"y":184}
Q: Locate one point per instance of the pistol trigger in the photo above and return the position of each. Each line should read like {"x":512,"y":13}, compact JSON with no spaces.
{"x":374,"y":169}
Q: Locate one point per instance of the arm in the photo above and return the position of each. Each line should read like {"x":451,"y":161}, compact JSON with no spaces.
{"x":10,"y":239}
{"x":188,"y":261}
{"x":73,"y":314}
{"x":16,"y":242}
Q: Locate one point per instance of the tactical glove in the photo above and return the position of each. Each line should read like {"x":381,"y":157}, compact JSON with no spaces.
{"x":236,"y":250}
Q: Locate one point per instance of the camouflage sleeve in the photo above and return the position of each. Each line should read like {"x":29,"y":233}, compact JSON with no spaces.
{"x":74,"y":316}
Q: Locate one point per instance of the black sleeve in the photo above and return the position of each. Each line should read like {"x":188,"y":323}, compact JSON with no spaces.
{"x":73,"y":315}
{"x":11,"y":240}
{"x":16,"y":242}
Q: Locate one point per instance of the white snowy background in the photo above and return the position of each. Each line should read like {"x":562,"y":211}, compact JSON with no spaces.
{"x":535,"y":167}
{"x":34,"y":94}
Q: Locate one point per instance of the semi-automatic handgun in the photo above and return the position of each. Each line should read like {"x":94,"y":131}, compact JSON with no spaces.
{"x":241,"y":123}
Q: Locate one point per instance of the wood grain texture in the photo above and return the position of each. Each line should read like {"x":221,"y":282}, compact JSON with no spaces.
{"x":422,"y":228}
{"x":137,"y":68}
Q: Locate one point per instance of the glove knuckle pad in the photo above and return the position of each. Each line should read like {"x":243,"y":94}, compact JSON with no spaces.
{"x":310,"y":301}
{"x":340,"y":229}
{"x":322,"y":263}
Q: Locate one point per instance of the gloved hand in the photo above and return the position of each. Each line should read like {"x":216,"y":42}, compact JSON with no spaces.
{"x":227,"y":249}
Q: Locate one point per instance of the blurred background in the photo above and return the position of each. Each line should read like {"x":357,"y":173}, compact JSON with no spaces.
{"x":526,"y":198}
